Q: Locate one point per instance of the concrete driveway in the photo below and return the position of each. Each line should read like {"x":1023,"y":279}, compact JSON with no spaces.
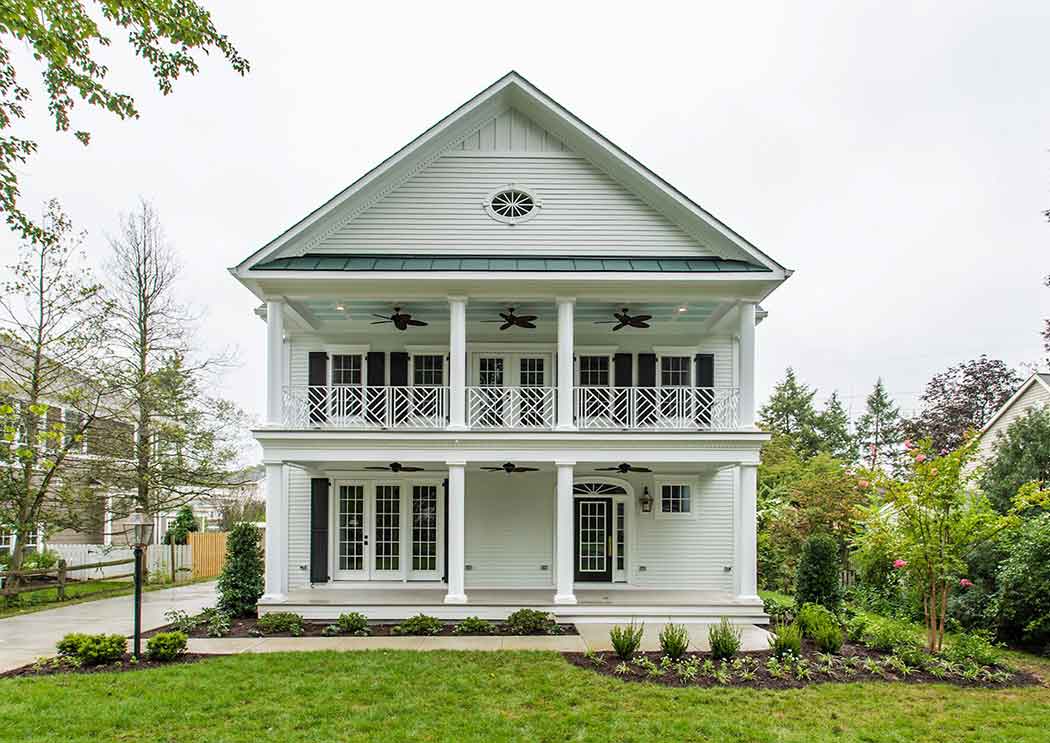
{"x":25,"y":638}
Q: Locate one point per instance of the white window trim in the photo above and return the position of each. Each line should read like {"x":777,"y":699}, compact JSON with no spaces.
{"x":415,"y":351}
{"x":591,"y":354}
{"x":693,"y":483}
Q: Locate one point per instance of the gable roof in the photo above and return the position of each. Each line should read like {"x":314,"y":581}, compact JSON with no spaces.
{"x":1040,"y":379}
{"x":512,"y":90}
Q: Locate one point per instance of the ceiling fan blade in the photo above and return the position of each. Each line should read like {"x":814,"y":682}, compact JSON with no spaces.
{"x":526,"y":318}
{"x":493,"y":469}
{"x":620,"y":326}
{"x":417,"y":323}
{"x":377,"y":468}
{"x":412,"y":469}
{"x":526,"y":469}
{"x":506,"y":325}
{"x":640,"y":469}
{"x":380,"y":322}
{"x":381,"y":317}
{"x":605,"y":322}
{"x":527,"y":325}
{"x":607,"y":469}
{"x":643,"y":318}
{"x":643,"y":325}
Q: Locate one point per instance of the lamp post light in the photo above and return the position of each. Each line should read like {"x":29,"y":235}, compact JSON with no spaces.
{"x":138,"y":533}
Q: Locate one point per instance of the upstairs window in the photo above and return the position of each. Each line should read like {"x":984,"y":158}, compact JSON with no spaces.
{"x":594,"y":371}
{"x":428,"y":370}
{"x":346,"y":369}
{"x":674,"y":371}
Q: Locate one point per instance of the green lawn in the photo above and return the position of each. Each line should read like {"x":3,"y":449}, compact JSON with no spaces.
{"x":449,"y":696}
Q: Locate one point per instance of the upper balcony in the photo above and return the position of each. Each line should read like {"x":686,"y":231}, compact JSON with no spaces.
{"x":574,"y":366}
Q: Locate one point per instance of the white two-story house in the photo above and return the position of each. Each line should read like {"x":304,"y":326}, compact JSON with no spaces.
{"x":511,"y":366}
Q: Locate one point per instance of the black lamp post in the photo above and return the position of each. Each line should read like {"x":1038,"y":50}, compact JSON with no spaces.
{"x":138,"y":533}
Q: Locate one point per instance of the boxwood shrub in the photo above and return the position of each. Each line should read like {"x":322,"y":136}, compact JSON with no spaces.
{"x":92,"y":650}
{"x":166,"y":646}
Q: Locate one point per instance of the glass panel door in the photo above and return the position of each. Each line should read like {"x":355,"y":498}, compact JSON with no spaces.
{"x":351,"y":535}
{"x":387,"y":532}
{"x":426,"y":531}
{"x":532,"y":378}
{"x":491,"y":376}
{"x":594,"y":555}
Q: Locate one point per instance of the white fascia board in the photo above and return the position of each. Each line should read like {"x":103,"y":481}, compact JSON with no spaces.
{"x":1034,"y":379}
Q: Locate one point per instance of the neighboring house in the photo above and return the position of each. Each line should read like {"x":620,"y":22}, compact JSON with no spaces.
{"x":209,"y":510}
{"x":1033,"y":394}
{"x":511,"y":366}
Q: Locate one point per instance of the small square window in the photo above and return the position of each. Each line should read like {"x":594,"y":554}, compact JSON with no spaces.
{"x":675,"y":499}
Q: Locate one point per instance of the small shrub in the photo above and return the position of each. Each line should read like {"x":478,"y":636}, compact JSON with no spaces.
{"x":674,"y":641}
{"x":972,"y":647}
{"x":474,"y":626}
{"x":241,"y":583}
{"x":420,"y":624}
{"x":531,"y":622}
{"x":828,"y":638}
{"x":889,"y":635}
{"x":182,"y":621}
{"x":353,"y":623}
{"x":166,"y":646}
{"x":812,"y":617}
{"x":780,"y":612}
{"x":818,"y":573}
{"x":281,"y":621}
{"x":219,"y":624}
{"x":92,"y":650}
{"x":331,"y":630}
{"x":856,"y":627}
{"x":787,"y":640}
{"x":724,"y":639}
{"x":626,"y":638}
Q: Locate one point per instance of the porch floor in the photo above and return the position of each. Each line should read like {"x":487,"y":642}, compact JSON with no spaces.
{"x":603,"y":604}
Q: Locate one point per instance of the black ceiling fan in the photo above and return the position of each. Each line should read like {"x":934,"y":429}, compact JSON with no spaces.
{"x":509,"y":468}
{"x":510,"y":320}
{"x":401,"y":320}
{"x":624,"y":320}
{"x":623,"y":469}
{"x":397,"y":467}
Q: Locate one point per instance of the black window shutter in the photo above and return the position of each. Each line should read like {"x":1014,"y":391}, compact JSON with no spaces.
{"x":398,"y":369}
{"x":647,"y":370}
{"x":623,"y":374}
{"x":317,"y":379}
{"x":376,"y":369}
{"x":444,"y":526}
{"x":704,"y":380}
{"x":319,"y":530}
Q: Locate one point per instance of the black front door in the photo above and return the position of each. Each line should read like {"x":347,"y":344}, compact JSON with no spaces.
{"x":592,"y":525}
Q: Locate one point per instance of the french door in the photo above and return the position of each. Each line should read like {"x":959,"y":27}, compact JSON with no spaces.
{"x":388,"y":531}
{"x":515,"y":390}
{"x":593,"y":540}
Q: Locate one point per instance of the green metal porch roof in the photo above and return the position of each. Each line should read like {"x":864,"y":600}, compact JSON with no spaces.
{"x":352,"y":263}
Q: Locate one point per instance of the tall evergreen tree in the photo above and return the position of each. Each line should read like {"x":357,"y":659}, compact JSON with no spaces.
{"x":790,"y":412}
{"x":879,"y":429}
{"x":833,"y":427}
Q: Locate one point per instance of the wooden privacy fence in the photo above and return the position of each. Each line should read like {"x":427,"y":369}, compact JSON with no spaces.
{"x":209,"y":552}
{"x":61,"y":572}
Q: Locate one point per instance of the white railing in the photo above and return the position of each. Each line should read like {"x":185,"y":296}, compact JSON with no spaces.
{"x":510,"y":407}
{"x":657,"y":408}
{"x":346,"y":406}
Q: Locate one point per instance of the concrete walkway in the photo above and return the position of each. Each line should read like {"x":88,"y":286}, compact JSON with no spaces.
{"x":25,"y":638}
{"x":592,"y":637}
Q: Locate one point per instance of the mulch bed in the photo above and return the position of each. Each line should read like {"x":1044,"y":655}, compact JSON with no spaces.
{"x":247,"y":628}
{"x":763,"y":680}
{"x":125,"y":664}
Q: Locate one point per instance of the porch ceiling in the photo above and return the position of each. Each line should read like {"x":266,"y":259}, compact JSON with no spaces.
{"x":360,"y":312}
{"x":381,"y":468}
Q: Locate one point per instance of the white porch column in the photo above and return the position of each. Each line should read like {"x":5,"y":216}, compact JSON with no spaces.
{"x":457,"y":363}
{"x":274,"y":362}
{"x":564,"y":541}
{"x":566,"y":307}
{"x":746,"y":534}
{"x":456,"y":534}
{"x":276,"y":585}
{"x":747,"y":365}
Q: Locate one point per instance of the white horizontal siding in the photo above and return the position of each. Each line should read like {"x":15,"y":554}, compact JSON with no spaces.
{"x":584,"y":212}
{"x":298,"y":483}
{"x":1035,"y":396}
{"x":509,"y":523}
{"x":689,"y":552}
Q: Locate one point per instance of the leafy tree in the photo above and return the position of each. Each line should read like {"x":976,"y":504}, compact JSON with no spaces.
{"x":879,"y":429}
{"x":818,"y":573}
{"x":1021,"y":605}
{"x":962,"y":398}
{"x":65,"y":38}
{"x":832,"y":425}
{"x":185,"y":522}
{"x":790,"y":412}
{"x":241,"y":583}
{"x":186,"y":439}
{"x":233,"y":511}
{"x":51,"y":350}
{"x":933,"y":519}
{"x":1020,"y":455}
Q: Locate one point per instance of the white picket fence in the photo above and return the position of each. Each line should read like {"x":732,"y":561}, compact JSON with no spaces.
{"x":158,"y":559}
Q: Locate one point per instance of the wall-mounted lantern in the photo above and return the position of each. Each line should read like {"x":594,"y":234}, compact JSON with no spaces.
{"x":646,"y":500}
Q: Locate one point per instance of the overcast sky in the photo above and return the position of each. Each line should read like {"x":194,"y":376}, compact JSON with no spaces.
{"x":897,"y":160}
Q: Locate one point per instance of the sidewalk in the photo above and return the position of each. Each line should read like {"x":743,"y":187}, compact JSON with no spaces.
{"x":25,"y":638}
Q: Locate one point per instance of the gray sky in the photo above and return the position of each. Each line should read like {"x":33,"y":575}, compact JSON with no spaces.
{"x":898,"y":161}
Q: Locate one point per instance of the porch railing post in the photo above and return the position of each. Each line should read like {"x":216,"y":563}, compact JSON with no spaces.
{"x":564,"y":563}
